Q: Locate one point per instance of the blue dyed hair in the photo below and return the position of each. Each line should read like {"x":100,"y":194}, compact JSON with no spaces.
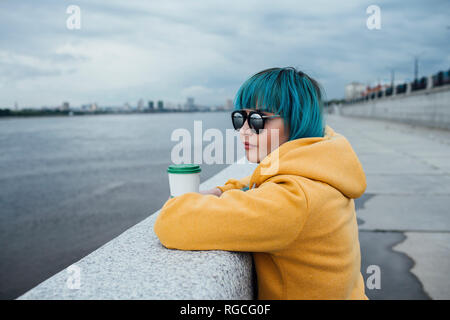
{"x":287,"y":92}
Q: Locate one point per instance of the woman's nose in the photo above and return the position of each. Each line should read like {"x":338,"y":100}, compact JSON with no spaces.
{"x":245,"y":129}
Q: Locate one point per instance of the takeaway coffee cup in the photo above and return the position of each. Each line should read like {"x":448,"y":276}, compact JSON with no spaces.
{"x":183,"y":178}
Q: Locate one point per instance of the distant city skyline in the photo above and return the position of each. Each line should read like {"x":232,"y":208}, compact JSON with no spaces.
{"x":172,"y":50}
{"x":141,"y":104}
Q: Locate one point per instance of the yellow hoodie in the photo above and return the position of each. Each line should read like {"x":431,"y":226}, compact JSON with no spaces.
{"x":298,"y":221}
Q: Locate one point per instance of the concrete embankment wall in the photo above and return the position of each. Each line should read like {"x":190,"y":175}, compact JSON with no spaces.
{"x":429,"y":108}
{"x":136,"y":266}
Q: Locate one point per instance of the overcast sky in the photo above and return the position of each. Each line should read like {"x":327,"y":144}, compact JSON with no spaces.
{"x":170,"y":49}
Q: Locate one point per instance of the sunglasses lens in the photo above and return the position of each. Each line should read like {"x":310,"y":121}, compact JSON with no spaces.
{"x":238,"y":120}
{"x":256,"y":122}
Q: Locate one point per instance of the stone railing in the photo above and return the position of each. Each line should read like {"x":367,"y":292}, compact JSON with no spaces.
{"x":430,"y":108}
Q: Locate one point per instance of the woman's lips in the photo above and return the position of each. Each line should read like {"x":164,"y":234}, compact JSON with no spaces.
{"x":247,"y":145}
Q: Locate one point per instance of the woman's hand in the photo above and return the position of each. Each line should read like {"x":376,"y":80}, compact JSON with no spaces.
{"x":213,"y":191}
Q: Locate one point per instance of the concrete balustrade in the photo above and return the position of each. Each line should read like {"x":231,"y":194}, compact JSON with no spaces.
{"x":429,"y":108}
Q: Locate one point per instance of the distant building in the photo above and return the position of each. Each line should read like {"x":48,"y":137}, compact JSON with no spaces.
{"x":93,"y":107}
{"x":140,"y":104}
{"x":65,"y":106}
{"x":354,"y":90}
{"x":160,"y":105}
{"x":151,"y":105}
{"x":189,"y":105}
{"x":375,"y":89}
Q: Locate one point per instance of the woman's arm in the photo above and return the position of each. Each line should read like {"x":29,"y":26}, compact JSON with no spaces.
{"x":263,"y":219}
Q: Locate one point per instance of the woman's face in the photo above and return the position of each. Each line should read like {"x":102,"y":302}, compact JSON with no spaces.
{"x":271,"y":137}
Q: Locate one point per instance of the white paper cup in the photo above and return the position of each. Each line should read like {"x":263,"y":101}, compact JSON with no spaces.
{"x":183,"y":178}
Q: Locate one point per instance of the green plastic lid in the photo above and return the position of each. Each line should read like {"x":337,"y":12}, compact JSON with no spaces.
{"x":184,"y":168}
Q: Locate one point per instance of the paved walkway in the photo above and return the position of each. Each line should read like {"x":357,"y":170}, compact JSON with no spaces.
{"x":404,"y":216}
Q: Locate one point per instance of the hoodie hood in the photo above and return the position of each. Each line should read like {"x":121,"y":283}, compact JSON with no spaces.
{"x":329,"y":159}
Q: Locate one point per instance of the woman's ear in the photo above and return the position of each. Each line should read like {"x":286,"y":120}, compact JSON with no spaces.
{"x":287,"y":130}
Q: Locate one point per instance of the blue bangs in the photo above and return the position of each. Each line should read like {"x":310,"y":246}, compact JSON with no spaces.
{"x":289,"y":93}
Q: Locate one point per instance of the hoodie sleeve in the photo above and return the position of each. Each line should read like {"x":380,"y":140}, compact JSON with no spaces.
{"x":263,"y":219}
{"x":235,"y":184}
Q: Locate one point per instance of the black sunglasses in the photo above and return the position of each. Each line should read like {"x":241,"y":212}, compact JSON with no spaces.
{"x":256,"y":119}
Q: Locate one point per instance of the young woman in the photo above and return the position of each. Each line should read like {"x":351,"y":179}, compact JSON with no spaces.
{"x":296,"y":212}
